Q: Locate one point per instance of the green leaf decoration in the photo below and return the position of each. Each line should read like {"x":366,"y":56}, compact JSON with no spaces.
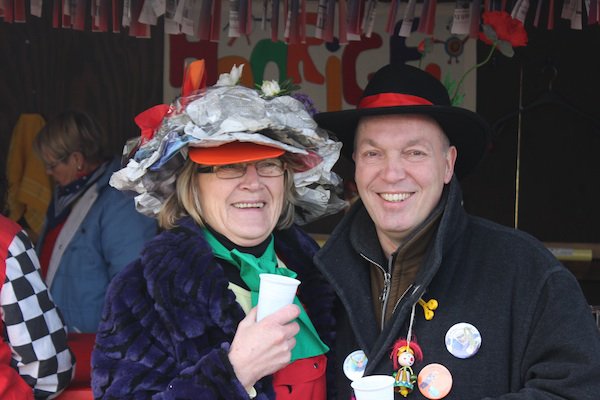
{"x":489,"y":32}
{"x":505,"y":48}
{"x":428,"y":45}
{"x":456,"y":99}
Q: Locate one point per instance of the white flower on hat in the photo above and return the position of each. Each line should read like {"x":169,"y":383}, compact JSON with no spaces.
{"x":232,"y":78}
{"x":270,"y":88}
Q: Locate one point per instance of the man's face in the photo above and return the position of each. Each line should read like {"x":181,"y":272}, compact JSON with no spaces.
{"x":402,"y":163}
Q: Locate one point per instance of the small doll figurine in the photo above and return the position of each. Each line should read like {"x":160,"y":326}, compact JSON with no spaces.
{"x":403,"y":355}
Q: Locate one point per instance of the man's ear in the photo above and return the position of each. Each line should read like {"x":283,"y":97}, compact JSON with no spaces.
{"x":451,"y":155}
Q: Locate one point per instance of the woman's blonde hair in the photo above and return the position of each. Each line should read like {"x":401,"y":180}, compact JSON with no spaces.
{"x":184,"y":200}
{"x":70,"y":132}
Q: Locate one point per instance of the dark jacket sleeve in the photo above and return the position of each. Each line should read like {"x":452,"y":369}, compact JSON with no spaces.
{"x":561,"y":344}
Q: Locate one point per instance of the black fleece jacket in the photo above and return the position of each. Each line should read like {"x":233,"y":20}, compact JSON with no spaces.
{"x":539,"y":340}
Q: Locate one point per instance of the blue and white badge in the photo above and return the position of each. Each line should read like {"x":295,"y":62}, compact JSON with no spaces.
{"x":355,"y":364}
{"x":463,"y":340}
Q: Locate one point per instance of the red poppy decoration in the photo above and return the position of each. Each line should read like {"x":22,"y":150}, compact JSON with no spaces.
{"x":502,"y":32}
{"x":505,"y":27}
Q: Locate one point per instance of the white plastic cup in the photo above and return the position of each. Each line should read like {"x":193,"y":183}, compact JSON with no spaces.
{"x":275,"y":292}
{"x":374,"y":387}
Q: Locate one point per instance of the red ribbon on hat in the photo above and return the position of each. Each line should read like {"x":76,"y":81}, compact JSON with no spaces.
{"x":150,"y":119}
{"x":392,"y":100}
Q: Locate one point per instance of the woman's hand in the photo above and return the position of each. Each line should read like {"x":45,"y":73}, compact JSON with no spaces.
{"x":262,"y":348}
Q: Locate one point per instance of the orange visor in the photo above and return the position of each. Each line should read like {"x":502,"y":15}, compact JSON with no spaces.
{"x":233,"y":153}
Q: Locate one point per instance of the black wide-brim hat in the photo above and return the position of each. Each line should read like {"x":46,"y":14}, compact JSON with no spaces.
{"x":404,"y":89}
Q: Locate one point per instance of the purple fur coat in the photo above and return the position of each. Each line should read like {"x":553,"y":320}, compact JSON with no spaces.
{"x":169,"y":319}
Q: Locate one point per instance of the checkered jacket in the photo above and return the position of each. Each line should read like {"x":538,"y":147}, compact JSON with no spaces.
{"x":33,"y":326}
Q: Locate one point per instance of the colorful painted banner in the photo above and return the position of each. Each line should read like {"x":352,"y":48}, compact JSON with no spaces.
{"x":333,"y":75}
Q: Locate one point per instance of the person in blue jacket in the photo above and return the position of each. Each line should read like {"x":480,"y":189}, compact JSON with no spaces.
{"x":91,"y":230}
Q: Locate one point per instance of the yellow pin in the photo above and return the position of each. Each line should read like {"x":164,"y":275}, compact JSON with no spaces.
{"x":428,"y":308}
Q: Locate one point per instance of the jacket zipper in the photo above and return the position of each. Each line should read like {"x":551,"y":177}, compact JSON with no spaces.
{"x":387,"y":282}
{"x":404,"y":294}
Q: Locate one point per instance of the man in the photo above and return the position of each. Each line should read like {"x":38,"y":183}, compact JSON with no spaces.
{"x":483,"y":311}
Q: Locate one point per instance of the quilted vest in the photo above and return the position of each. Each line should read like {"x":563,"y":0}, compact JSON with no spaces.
{"x":12,"y":386}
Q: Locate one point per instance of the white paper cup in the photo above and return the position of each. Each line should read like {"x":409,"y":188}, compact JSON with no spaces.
{"x":374,"y":387}
{"x":275,"y":292}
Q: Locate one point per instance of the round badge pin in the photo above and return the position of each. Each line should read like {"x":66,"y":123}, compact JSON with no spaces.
{"x":463,"y":340}
{"x":434,"y":381}
{"x":355,"y":364}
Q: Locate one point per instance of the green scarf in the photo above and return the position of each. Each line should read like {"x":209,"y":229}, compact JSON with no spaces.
{"x":308,"y":343}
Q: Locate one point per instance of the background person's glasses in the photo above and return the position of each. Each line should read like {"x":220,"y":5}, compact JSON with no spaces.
{"x":269,"y":168}
{"x":49,"y":166}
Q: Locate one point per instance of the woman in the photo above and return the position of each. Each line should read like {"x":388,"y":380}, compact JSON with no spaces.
{"x":92,"y":230}
{"x":180,"y":322}
{"x":35,"y":360}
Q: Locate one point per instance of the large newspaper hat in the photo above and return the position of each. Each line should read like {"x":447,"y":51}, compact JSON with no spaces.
{"x":234,"y":124}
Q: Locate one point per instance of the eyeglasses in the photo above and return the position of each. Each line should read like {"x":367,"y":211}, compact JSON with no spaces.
{"x":268,"y":168}
{"x":51,"y":166}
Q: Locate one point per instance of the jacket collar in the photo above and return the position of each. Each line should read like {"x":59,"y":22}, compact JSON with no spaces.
{"x":348,"y":272}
